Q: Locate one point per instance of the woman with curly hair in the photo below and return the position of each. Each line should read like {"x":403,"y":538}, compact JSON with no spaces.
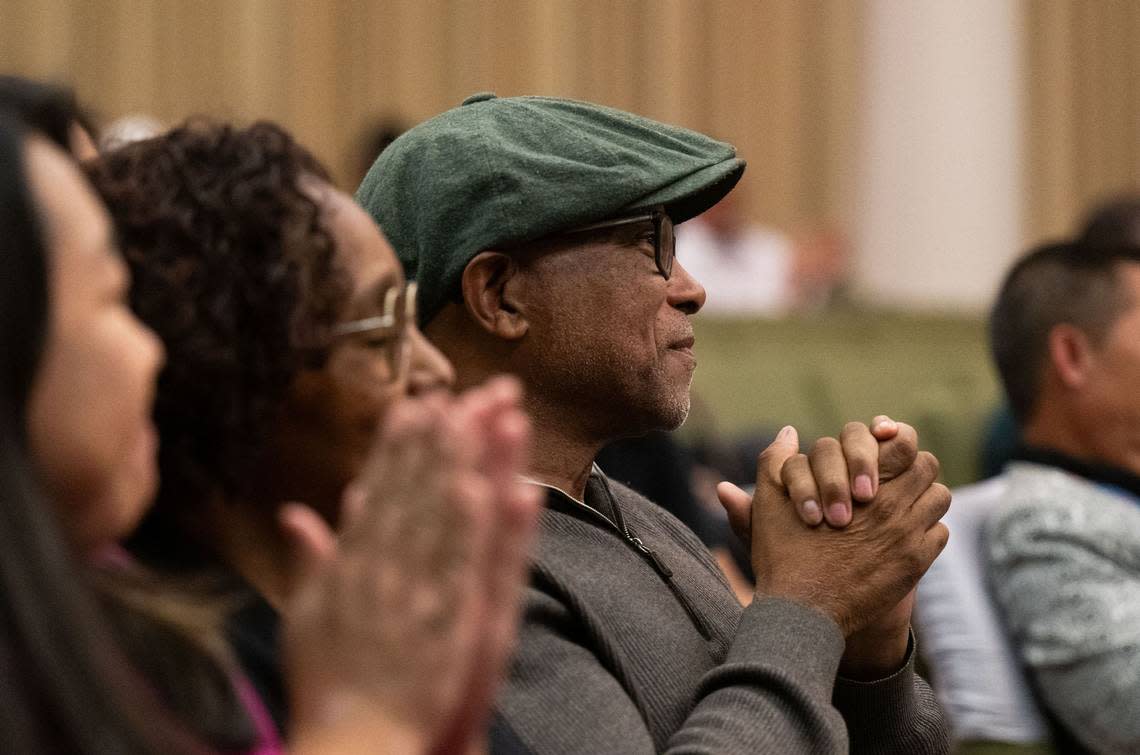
{"x":290,"y":334}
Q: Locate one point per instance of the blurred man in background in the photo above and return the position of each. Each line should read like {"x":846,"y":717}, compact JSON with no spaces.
{"x":1058,"y":533}
{"x":1064,"y":553}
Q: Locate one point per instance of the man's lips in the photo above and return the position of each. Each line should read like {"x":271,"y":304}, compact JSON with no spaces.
{"x":684,"y":347}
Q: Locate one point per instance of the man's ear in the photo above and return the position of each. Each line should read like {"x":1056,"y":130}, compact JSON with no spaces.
{"x":488,"y":285}
{"x":1071,"y":354}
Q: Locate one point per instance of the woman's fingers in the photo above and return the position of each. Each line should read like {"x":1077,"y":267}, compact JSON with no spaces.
{"x":415,"y":607}
{"x":314,"y":543}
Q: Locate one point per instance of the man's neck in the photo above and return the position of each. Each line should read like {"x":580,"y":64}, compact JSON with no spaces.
{"x":562,"y":455}
{"x":1056,"y":431}
{"x":562,"y":450}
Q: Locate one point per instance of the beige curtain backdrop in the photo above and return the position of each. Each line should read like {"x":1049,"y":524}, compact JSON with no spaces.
{"x":1083,"y":124}
{"x":779,"y":78}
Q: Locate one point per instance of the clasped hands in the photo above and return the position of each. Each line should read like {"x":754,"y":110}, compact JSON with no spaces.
{"x":847,"y":529}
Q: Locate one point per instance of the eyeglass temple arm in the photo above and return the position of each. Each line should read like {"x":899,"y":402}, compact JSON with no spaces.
{"x":387,"y":320}
{"x":612,"y":222}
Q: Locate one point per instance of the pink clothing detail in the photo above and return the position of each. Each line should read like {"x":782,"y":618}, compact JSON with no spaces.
{"x":268,"y":740}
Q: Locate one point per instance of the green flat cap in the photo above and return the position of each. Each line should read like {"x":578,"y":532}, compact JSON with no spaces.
{"x":495,"y":172}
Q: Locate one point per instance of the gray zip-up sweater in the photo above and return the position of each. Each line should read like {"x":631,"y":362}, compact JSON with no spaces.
{"x":632,"y":642}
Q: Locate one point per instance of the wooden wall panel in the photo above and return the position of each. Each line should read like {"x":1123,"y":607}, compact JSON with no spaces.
{"x":1082,"y":108}
{"x":779,"y":78}
{"x":774,"y":77}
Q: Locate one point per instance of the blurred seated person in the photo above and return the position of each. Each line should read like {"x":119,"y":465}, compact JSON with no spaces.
{"x":976,"y":670}
{"x":749,"y":269}
{"x":290,"y":333}
{"x":59,"y":659}
{"x":87,"y":656}
{"x":1063,"y":552}
{"x":99,"y":656}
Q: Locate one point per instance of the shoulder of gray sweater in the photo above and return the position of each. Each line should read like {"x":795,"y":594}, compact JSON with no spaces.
{"x":1048,"y":504}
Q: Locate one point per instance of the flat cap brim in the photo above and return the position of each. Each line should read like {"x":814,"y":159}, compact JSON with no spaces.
{"x":690,"y":196}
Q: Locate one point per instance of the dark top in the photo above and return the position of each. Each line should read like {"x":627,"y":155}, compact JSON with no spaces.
{"x":660,"y":468}
{"x":254,"y":633}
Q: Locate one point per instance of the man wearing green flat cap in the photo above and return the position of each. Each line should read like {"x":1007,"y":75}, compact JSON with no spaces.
{"x":540,"y":232}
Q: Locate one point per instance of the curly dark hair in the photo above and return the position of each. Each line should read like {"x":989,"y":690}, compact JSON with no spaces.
{"x":234,"y":270}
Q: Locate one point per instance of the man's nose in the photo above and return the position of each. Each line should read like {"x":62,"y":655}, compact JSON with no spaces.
{"x":685,"y":292}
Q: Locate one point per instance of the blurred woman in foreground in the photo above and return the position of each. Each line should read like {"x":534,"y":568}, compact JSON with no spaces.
{"x":95,"y":656}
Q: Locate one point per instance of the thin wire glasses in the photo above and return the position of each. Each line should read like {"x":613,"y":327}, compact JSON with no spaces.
{"x":664,"y":240}
{"x":388,"y":332}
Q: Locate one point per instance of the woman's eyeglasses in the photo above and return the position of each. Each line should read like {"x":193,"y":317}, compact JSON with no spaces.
{"x":387,"y":333}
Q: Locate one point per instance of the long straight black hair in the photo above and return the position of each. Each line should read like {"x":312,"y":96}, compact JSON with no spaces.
{"x":172,"y":642}
{"x":63,"y":687}
{"x":49,"y":109}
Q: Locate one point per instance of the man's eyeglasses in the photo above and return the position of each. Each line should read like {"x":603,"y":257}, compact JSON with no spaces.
{"x":664,"y":241}
{"x":388,"y":332}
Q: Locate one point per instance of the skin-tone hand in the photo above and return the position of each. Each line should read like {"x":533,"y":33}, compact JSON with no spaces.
{"x":879,"y":648}
{"x":835,"y":473}
{"x":858,"y":576}
{"x":823,"y":484}
{"x":401,"y":624}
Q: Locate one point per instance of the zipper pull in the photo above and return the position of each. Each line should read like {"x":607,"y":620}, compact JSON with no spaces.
{"x":658,"y":564}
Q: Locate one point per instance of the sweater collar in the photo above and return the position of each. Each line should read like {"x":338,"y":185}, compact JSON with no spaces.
{"x":1090,"y":470}
{"x":597,"y":498}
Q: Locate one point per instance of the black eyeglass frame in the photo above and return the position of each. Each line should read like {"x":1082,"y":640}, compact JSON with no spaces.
{"x":664,"y":238}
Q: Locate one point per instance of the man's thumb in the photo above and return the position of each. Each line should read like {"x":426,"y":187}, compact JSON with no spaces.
{"x":738,"y":505}
{"x":770,"y":463}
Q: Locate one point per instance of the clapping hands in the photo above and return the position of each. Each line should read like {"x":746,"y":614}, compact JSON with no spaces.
{"x":402,"y":622}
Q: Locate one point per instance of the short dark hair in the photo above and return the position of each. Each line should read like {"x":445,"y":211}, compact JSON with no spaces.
{"x":1074,"y":282}
{"x":232,"y":266}
{"x":1114,"y":223}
